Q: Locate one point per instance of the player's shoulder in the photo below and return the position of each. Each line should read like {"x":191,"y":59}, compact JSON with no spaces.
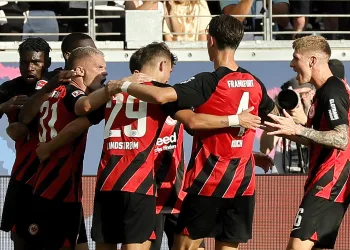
{"x":13,"y":83}
{"x":249,"y":75}
{"x":334,"y":86}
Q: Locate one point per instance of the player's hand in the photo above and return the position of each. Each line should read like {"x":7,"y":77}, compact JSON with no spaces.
{"x":43,"y":152}
{"x":284,"y":125}
{"x":14,"y":103}
{"x":62,"y":77}
{"x":248,"y":120}
{"x":264,"y":161}
{"x":298,"y":114}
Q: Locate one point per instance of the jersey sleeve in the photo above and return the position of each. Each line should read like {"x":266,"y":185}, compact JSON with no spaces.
{"x":196,"y":90}
{"x":266,"y":104}
{"x":73,"y":94}
{"x":169,"y":108}
{"x":96,"y":116}
{"x":335,"y":102}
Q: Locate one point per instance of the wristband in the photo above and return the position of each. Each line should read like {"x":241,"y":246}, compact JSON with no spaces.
{"x":233,"y":121}
{"x":125,"y":86}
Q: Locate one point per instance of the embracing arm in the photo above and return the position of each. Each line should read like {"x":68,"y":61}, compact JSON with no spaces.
{"x":91,"y":102}
{"x":197,"y":121}
{"x":68,"y":134}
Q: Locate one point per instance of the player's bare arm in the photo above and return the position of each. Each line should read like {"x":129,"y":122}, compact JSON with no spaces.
{"x":336,"y":138}
{"x":66,"y":135}
{"x":16,"y":131}
{"x":100,"y":97}
{"x":196,"y":121}
{"x":32,"y":106}
{"x":263,"y":161}
{"x":91,"y":102}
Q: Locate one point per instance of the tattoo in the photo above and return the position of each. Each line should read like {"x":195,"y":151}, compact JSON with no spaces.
{"x":224,"y":123}
{"x":337,"y":138}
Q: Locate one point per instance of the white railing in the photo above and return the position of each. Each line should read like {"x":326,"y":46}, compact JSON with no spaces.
{"x":266,"y":17}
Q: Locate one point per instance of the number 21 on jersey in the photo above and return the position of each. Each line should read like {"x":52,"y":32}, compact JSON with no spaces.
{"x":139,"y":129}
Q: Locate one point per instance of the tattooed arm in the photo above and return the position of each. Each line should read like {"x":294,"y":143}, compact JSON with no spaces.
{"x":336,"y":138}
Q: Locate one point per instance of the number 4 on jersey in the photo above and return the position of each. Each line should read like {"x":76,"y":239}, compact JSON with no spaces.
{"x":243,"y":105}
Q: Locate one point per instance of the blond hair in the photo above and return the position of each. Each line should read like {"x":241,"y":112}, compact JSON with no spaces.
{"x":81,"y":53}
{"x":312,"y":43}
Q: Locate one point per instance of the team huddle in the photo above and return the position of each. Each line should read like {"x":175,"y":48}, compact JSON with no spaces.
{"x":143,"y":186}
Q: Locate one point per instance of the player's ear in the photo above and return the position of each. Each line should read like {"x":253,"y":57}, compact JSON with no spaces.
{"x":211,"y":41}
{"x":162,"y":66}
{"x":136,"y":71}
{"x":48,"y":62}
{"x":313,"y":61}
{"x":66,"y":55}
{"x":80,"y":71}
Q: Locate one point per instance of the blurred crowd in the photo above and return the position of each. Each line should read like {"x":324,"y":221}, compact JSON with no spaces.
{"x":184,"y":20}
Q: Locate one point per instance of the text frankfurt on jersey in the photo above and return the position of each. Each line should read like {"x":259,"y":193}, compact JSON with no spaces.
{"x":240,"y":83}
{"x":123,"y":145}
{"x":163,"y":143}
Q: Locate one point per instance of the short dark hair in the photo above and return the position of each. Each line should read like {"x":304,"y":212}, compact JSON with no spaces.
{"x":227,"y":30}
{"x":337,"y":68}
{"x":72,"y":41}
{"x":34,"y":44}
{"x":150,"y":52}
{"x":134,"y":63}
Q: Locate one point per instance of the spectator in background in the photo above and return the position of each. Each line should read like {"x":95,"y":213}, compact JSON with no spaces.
{"x":7,"y":25}
{"x":187,"y":16}
{"x":248,"y":7}
{"x":291,"y":157}
{"x":104,"y":25}
{"x":44,"y":25}
{"x":302,"y":8}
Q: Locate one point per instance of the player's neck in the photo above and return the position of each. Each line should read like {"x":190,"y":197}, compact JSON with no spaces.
{"x":320,"y":77}
{"x":225,"y":58}
{"x":80,"y":85}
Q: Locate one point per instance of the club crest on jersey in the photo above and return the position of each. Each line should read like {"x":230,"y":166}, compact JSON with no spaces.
{"x":33,"y":229}
{"x":312,"y":111}
{"x":170,"y":121}
{"x":40,"y":84}
{"x":77,"y":93}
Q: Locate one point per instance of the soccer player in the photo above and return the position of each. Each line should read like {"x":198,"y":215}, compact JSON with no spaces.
{"x":55,"y":214}
{"x":169,"y":169}
{"x":34,"y":63}
{"x":220,"y":180}
{"x":326,"y":133}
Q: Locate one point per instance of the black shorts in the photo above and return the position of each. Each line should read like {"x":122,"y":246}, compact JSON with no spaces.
{"x":123,"y":217}
{"x":318,"y":220}
{"x":18,"y":199}
{"x":166,"y":223}
{"x":51,"y":224}
{"x":228,"y":220}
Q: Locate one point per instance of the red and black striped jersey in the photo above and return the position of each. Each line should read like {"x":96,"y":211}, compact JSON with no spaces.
{"x":329,"y":167}
{"x":131,"y":131}
{"x":26,"y":162}
{"x":59,"y":178}
{"x":170,"y":167}
{"x":221,"y":163}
